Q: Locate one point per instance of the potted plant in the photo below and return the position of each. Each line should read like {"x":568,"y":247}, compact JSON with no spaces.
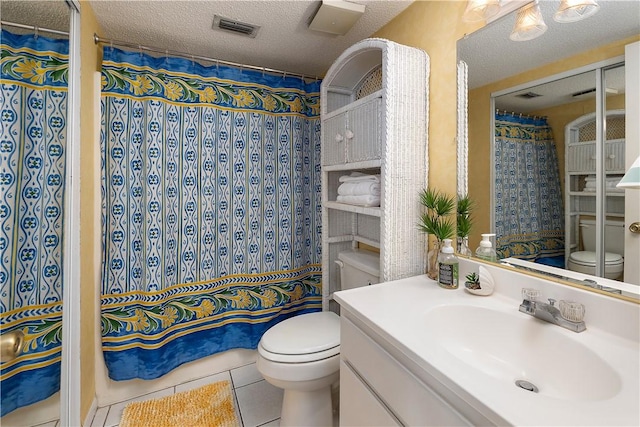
{"x":436,"y":221}
{"x":464,"y":223}
{"x":473,"y":281}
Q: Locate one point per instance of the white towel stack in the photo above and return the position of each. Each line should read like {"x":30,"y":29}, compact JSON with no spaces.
{"x":359,"y":189}
{"x":610,"y":183}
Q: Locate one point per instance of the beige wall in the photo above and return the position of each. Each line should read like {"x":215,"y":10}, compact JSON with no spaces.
{"x":479,"y":122}
{"x":435,"y":27}
{"x":90,"y":59}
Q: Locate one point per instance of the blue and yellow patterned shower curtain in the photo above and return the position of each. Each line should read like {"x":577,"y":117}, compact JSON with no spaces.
{"x":529,"y":215}
{"x":211,"y":209}
{"x":33,"y":131}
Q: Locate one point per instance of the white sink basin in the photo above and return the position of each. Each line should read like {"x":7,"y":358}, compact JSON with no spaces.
{"x":513,"y":346}
{"x":471,"y":350}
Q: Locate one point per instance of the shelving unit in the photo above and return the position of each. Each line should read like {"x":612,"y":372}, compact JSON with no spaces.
{"x":374,"y":106}
{"x":581,"y":164}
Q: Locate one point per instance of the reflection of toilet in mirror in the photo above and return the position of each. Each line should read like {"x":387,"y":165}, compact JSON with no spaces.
{"x":584,"y":261}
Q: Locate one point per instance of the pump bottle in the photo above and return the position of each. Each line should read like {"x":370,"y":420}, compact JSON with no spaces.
{"x":486,"y":251}
{"x":447,"y":266}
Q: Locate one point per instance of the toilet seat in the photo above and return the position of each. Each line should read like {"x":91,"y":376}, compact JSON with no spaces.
{"x":302,"y":339}
{"x":588,"y":258}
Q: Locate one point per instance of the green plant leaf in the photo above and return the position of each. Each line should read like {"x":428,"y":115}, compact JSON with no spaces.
{"x":464,"y":224}
{"x":465,"y":205}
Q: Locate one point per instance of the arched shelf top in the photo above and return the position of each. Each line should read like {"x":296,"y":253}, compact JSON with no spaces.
{"x":352,"y":66}
{"x":591,"y":117}
{"x":374,"y":60}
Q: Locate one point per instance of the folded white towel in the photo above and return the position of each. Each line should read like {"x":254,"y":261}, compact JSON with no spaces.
{"x":359,"y":188}
{"x":365,"y":200}
{"x":609,"y":183}
{"x":359,"y":177}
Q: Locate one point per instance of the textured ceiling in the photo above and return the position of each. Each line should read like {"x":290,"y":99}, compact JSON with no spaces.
{"x":51,"y":14}
{"x":561,"y":92}
{"x":284,"y":41}
{"x":491,"y":56}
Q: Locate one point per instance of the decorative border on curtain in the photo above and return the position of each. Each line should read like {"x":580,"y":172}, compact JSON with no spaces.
{"x":33,"y":97}
{"x":211,"y":209}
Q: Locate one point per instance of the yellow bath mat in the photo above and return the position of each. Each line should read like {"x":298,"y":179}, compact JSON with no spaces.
{"x":211,"y":405}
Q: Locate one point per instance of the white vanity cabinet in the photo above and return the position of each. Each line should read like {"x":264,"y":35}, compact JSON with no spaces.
{"x":377,"y":390}
{"x":374,"y":111}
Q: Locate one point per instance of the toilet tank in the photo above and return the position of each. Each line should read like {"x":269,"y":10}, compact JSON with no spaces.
{"x":613,"y":235}
{"x":358,"y":268}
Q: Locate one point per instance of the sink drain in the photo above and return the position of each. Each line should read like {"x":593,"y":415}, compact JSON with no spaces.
{"x":526,"y":385}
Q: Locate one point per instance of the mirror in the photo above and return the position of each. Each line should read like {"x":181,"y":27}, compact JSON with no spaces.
{"x":40,"y":116}
{"x":511,"y":77}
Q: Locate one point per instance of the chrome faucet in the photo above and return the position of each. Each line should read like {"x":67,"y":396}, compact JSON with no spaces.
{"x":549,"y":313}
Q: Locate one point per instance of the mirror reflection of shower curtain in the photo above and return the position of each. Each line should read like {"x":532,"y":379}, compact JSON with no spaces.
{"x":211,"y":209}
{"x":33,"y":131}
{"x":529,"y":215}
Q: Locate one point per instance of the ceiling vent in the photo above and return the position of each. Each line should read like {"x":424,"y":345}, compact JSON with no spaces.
{"x":593,"y":90}
{"x":236,"y":27}
{"x":528,"y":95}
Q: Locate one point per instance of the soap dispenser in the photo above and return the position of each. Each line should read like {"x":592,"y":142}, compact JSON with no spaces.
{"x":447,"y":266}
{"x":486,"y":251}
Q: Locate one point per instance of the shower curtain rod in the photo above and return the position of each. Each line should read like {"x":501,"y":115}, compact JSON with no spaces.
{"x":528,"y":116}
{"x":34,"y":28}
{"x":97,"y":39}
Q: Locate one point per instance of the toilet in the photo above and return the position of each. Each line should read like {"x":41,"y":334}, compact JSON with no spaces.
{"x":585,"y":261}
{"x":301,"y":355}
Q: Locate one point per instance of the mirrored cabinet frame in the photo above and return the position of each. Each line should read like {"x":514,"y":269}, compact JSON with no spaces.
{"x":70,"y":389}
{"x":590,"y":283}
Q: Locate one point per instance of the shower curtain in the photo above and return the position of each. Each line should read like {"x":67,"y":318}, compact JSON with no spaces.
{"x":33,"y":130}
{"x":529,"y":215}
{"x":211,"y":204}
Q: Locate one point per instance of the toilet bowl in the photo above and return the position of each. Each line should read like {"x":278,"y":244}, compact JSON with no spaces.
{"x":301,"y":355}
{"x":585,"y":261}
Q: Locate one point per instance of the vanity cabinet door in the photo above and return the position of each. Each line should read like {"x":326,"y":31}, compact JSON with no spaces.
{"x":410,"y":400}
{"x":358,"y":405}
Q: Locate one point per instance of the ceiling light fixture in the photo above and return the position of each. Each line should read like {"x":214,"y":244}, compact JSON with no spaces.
{"x":529,"y":23}
{"x":479,"y":10}
{"x":575,"y":10}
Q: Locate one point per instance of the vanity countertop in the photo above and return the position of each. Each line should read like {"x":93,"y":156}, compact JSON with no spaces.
{"x":471,"y":349}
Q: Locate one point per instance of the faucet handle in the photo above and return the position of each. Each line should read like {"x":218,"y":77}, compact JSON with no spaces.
{"x":572,"y":311}
{"x":552,"y":302}
{"x":530,"y":294}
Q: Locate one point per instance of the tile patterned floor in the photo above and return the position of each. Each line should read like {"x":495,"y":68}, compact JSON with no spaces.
{"x":257,"y":401}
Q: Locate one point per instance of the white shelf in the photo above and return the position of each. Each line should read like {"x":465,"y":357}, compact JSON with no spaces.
{"x":364,"y":210}
{"x":578,"y":173}
{"x":591,"y":213}
{"x":593,"y":142}
{"x":368,"y":164}
{"x":593,"y":193}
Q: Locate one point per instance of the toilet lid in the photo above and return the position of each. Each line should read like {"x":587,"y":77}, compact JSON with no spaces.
{"x":304,"y":334}
{"x":589,"y":257}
